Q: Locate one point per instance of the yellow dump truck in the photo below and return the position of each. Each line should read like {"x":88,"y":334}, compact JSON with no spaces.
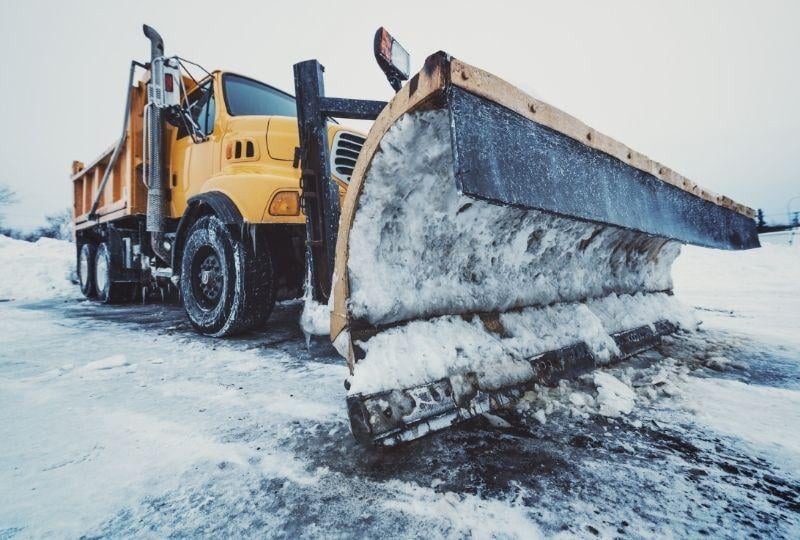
{"x":476,"y":242}
{"x":208,"y":189}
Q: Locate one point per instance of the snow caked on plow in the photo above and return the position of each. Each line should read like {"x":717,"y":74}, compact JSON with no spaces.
{"x":481,"y":252}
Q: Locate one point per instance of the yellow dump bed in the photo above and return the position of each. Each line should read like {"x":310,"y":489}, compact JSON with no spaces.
{"x":124,"y":192}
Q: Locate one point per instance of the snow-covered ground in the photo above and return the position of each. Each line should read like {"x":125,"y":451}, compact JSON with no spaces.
{"x":755,"y":292}
{"x":119,"y":421}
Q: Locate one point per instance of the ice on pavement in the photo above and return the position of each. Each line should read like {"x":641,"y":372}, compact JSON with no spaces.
{"x":83,"y":436}
{"x":198,"y":444}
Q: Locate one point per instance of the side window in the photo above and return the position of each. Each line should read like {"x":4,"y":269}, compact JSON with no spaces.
{"x":202,"y":109}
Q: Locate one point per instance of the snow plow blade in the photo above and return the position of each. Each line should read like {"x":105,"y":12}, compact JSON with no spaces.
{"x":489,"y":242}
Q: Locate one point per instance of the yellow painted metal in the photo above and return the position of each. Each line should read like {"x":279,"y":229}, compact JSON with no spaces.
{"x":251,"y":181}
{"x":252,"y":177}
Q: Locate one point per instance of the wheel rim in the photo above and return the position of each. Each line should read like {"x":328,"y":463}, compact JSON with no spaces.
{"x":208,"y":278}
{"x":83,"y":268}
{"x":101,"y":274}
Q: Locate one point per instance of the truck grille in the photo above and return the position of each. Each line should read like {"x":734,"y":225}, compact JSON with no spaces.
{"x":344,"y":153}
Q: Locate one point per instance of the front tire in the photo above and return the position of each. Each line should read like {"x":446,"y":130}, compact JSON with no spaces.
{"x":227,"y":285}
{"x":86,"y":257}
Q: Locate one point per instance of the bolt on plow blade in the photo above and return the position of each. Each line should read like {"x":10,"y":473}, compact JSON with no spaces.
{"x":489,"y":242}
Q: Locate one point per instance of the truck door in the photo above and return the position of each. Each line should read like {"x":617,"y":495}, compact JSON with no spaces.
{"x":193,"y":157}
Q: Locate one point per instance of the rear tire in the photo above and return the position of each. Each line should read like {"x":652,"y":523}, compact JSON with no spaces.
{"x":108,"y":291}
{"x":86,"y":257}
{"x":227,"y":286}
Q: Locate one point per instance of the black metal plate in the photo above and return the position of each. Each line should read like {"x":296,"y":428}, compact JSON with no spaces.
{"x":504,"y":158}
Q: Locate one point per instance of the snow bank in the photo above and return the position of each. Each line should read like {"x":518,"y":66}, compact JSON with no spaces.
{"x":789,"y":237}
{"x":771,"y":269}
{"x":37,"y":270}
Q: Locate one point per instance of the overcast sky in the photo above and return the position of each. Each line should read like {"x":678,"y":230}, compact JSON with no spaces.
{"x":711,"y":89}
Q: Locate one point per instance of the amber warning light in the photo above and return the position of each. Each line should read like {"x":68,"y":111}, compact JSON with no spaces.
{"x":392,"y":58}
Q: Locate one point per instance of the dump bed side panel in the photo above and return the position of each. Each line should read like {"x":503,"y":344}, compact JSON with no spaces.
{"x":124,"y":193}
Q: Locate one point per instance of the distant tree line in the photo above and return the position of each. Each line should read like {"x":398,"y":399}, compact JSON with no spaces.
{"x":57,"y":225}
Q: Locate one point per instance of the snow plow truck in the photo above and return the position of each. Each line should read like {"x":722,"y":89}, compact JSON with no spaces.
{"x":476,"y":242}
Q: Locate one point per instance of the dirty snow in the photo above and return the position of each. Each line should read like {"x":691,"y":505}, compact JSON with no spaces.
{"x":612,"y":392}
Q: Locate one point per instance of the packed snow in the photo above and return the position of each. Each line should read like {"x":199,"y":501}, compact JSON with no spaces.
{"x":766,"y":417}
{"x":424,"y":351}
{"x":437,"y":252}
{"x":737,"y":288}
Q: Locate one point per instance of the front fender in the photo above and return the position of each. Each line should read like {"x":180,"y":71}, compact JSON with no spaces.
{"x":213,"y":202}
{"x":252,"y":193}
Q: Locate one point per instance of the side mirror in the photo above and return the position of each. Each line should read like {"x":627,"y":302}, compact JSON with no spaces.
{"x":392,"y":58}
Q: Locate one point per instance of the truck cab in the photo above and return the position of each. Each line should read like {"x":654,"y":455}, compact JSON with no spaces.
{"x":233,"y":230}
{"x":221,"y":190}
{"x":244,"y":146}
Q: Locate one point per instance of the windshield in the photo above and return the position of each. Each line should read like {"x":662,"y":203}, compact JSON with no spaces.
{"x":246,"y":97}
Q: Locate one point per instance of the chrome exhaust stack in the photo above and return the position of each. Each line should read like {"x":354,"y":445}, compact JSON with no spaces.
{"x":159,"y":96}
